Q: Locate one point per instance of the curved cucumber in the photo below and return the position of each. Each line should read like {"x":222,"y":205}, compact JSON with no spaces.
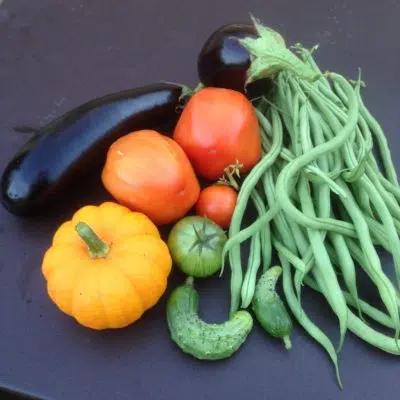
{"x":196,"y":337}
{"x":269,"y":309}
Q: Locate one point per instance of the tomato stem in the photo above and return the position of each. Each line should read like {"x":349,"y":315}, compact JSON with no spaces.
{"x":97,"y":248}
{"x":232,"y":180}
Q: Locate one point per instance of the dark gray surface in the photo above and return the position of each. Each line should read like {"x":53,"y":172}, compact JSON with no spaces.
{"x":55,"y":54}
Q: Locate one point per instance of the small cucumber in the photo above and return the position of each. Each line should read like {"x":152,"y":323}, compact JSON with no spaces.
{"x":269,"y":309}
{"x":198,"y":338}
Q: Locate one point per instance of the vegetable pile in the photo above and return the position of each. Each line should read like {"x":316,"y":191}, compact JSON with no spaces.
{"x":265,"y":130}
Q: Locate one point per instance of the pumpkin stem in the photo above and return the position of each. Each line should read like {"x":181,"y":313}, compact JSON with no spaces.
{"x":97,"y":248}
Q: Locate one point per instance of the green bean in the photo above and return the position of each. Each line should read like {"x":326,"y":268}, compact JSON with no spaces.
{"x":337,"y":116}
{"x":287,"y":155}
{"x":367,"y":309}
{"x":369,"y":335}
{"x":254,"y":262}
{"x":265,"y":234}
{"x":235,"y":260}
{"x":247,"y":232}
{"x":301,"y":266}
{"x":384,"y":214}
{"x":381,"y":281}
{"x":389,"y":199}
{"x":300,"y":122}
{"x":323,"y":270}
{"x":318,"y":175}
{"x":363,"y":200}
{"x":256,"y":173}
{"x":389,"y":186}
{"x":244,"y":193}
{"x":256,"y":249}
{"x":285,"y":184}
{"x":378,"y":234}
{"x":265,"y":143}
{"x":308,"y":59}
{"x":236,"y":280}
{"x":365,"y":332}
{"x":347,"y":266}
{"x":382,"y":143}
{"x":299,"y":275}
{"x":379,"y":136}
{"x":321,"y":191}
{"x":300,"y":241}
{"x":303,"y":319}
{"x":337,"y":163}
{"x":336,"y":106}
{"x":346,"y":263}
{"x":340,"y":94}
{"x":283,"y":102}
{"x":387,"y":220}
{"x":279,"y":219}
{"x":371,"y":312}
{"x":336,"y":127}
{"x":293,"y":231}
{"x":366,"y":133}
{"x":338,"y":99}
{"x":295,"y":122}
{"x":297,"y":262}
{"x":299,"y":234}
{"x":282,"y":227}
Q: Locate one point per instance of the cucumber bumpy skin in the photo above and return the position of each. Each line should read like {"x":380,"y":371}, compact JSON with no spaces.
{"x":194,"y":336}
{"x":269,"y":309}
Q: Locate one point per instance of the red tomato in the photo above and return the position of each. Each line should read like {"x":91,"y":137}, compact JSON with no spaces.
{"x":217,"y":202}
{"x":217,"y":128}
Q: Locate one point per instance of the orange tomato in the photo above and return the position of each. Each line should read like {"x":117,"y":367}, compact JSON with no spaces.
{"x":216,"y":128}
{"x":217,"y":202}
{"x":150,"y":173}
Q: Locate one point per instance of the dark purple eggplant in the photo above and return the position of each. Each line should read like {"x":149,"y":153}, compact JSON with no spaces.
{"x":223,"y":61}
{"x":64,"y":152}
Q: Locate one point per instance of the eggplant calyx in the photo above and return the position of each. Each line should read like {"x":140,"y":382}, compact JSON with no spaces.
{"x":269,"y":56}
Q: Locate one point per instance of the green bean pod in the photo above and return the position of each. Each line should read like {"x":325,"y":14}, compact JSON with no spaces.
{"x":364,"y":331}
{"x":284,"y":183}
{"x":199,"y":339}
{"x":303,"y":319}
{"x":269,"y":309}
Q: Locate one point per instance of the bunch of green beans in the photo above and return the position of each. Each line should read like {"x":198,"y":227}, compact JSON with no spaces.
{"x":324,"y":205}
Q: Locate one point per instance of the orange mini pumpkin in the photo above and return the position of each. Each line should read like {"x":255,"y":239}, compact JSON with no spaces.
{"x":106,"y":266}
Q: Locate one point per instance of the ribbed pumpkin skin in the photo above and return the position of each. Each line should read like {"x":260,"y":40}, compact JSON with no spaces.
{"x":114,"y":291}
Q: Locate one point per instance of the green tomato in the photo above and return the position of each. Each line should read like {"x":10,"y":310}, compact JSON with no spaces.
{"x":196,"y":245}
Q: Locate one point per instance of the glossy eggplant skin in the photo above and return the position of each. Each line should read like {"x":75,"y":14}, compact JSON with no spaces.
{"x":223,"y":61}
{"x":75,"y":144}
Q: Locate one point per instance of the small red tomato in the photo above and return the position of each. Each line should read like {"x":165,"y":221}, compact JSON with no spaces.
{"x":217,"y":202}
